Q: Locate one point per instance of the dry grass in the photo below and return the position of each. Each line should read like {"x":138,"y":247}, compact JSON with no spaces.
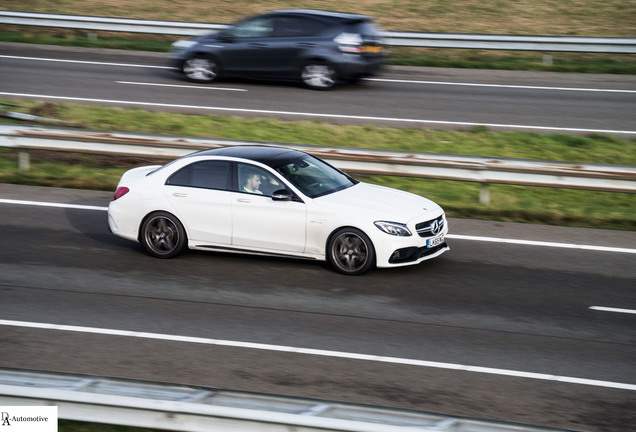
{"x":555,"y":17}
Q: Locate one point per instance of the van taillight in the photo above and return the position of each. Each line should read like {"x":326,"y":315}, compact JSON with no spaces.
{"x":120,"y":192}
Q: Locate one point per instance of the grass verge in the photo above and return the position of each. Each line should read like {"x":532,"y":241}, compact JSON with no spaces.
{"x":460,"y":199}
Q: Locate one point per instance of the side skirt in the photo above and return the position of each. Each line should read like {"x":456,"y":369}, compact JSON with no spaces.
{"x":252,"y":252}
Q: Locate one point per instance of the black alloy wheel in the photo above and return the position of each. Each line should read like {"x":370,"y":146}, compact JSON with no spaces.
{"x":351,"y":252}
{"x":162,"y":235}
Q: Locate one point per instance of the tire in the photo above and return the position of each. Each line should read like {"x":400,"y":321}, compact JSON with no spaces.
{"x":201,"y":69}
{"x":350,"y":251}
{"x":162,"y":235}
{"x":318,"y":76}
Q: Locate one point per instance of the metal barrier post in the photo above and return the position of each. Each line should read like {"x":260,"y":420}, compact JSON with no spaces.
{"x":24,"y":161}
{"x":484,"y":193}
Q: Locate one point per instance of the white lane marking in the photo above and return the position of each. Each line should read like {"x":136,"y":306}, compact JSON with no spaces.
{"x":451,"y":236}
{"x":86,"y":62}
{"x":319,"y":352}
{"x":528,"y":87}
{"x":324,"y":115}
{"x":368,"y":79}
{"x":542,"y":243}
{"x":51,"y":204}
{"x":611,"y":309}
{"x":180,"y":86}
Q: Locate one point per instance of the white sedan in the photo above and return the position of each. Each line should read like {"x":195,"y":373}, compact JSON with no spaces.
{"x":274,"y":201}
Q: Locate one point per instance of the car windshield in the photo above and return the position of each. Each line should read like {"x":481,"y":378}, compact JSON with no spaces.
{"x":313,"y":177}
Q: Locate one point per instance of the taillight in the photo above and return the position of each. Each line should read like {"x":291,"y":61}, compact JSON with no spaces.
{"x":350,"y":43}
{"x":120,"y":192}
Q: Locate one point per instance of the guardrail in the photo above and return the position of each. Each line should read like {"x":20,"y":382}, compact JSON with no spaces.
{"x":108,"y":24}
{"x":483,"y":170}
{"x":613,"y":45}
{"x":205,"y":409}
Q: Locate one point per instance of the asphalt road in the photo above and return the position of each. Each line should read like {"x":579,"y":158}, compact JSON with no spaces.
{"x":500,"y":329}
{"x":402,"y":97}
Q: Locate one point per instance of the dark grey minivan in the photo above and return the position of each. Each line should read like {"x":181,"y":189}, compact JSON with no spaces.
{"x":318,"y":48}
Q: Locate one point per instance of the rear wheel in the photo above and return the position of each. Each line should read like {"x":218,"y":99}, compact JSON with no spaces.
{"x":318,"y":75}
{"x":350,"y":251}
{"x":201,"y":69}
{"x":162,"y":235}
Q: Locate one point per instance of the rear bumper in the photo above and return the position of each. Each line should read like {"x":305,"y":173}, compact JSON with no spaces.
{"x":119,"y":222}
{"x":357,"y":67}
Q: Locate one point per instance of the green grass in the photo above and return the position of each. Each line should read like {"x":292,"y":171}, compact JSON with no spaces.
{"x":515,"y":60}
{"x":84,"y":39}
{"x":478,"y":141}
{"x":460,"y":199}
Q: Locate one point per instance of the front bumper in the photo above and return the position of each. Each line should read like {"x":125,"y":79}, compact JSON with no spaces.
{"x":394,"y":251}
{"x":414,"y":255}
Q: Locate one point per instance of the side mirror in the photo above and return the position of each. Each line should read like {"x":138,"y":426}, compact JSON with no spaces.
{"x":225,"y":35}
{"x":282,"y":195}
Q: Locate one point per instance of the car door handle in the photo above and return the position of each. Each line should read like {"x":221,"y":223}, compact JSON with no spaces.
{"x":258,"y":45}
{"x":244,"y":200}
{"x":180,"y":194}
{"x":305,"y":45}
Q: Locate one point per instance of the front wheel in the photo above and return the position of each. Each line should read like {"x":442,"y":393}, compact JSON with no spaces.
{"x":162,"y":235}
{"x":201,"y":69}
{"x":350,"y":251}
{"x":318,"y":76}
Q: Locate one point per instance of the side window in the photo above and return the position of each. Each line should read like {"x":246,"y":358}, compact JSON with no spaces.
{"x":256,"y":180}
{"x":206,"y":174}
{"x":253,"y":28}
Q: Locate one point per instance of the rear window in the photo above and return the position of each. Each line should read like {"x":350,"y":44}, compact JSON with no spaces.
{"x":368,"y":29}
{"x":206,"y":174}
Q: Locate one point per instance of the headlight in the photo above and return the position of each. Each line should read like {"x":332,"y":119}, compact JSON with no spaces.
{"x":393,"y":228}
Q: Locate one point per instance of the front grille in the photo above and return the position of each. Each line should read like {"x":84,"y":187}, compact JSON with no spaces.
{"x":431,"y":228}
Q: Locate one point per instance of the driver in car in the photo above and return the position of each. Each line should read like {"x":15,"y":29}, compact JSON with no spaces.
{"x":253,"y":183}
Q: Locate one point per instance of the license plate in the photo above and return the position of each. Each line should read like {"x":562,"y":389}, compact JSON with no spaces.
{"x":372,"y":49}
{"x":435,"y":242}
